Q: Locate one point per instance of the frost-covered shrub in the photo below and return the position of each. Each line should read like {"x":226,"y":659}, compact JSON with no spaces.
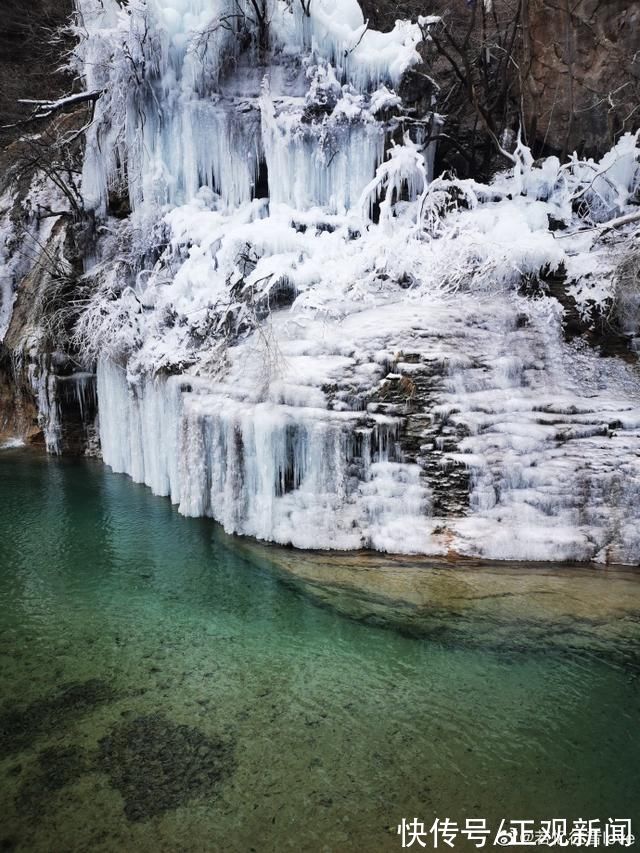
{"x":403,"y":176}
{"x":600,"y":191}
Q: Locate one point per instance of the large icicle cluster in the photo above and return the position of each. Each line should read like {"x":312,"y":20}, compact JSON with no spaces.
{"x":291,"y":474}
{"x":224,"y":271}
{"x":182,"y":105}
{"x":303,"y":334}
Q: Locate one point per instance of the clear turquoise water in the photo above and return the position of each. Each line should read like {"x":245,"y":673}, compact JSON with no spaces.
{"x":166,"y":687}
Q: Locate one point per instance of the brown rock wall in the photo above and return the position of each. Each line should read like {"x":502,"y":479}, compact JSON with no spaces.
{"x":583,"y":85}
{"x":576,"y":66}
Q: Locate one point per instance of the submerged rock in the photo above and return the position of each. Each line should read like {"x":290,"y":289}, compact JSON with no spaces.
{"x":156,"y":765}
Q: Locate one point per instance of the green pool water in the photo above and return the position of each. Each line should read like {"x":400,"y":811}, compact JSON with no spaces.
{"x":166,"y":687}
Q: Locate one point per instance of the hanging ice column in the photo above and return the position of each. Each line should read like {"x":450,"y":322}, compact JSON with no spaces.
{"x":310,"y":165}
{"x":162,"y":127}
{"x":300,"y":476}
{"x":190,"y":134}
{"x":181,"y":106}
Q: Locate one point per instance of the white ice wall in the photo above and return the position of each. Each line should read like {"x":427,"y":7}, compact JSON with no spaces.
{"x":300,"y":476}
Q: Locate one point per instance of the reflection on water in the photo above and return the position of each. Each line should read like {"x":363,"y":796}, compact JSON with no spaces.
{"x":167,"y":687}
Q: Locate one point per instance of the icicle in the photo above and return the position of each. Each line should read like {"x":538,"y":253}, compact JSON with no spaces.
{"x":324,"y":164}
{"x":275,"y":472}
{"x":44,"y":384}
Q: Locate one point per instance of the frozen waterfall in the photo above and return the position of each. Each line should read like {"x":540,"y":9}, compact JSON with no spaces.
{"x":183,"y":105}
{"x":302,"y":334}
{"x":299,"y":476}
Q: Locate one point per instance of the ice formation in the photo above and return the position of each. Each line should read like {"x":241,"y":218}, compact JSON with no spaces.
{"x":177,"y":118}
{"x":303,"y":333}
{"x":299,"y":475}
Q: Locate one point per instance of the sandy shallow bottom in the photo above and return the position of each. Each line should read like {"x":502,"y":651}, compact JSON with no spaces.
{"x":168,"y":688}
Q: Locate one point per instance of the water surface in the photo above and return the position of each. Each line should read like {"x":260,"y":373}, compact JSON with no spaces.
{"x":166,"y":687}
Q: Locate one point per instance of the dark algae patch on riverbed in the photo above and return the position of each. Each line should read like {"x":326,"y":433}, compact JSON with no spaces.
{"x":157,"y":765}
{"x":22,"y":725}
{"x":55,"y":768}
{"x":167,"y":688}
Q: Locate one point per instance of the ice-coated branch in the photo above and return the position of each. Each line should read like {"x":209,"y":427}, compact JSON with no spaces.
{"x":480,"y":53}
{"x":44,"y":108}
{"x":620,"y":222}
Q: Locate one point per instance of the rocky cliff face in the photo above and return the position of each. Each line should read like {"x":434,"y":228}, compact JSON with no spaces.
{"x":31,"y":46}
{"x":576,"y":67}
{"x":583,"y":85}
{"x":40,"y":259}
{"x":45,"y":397}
